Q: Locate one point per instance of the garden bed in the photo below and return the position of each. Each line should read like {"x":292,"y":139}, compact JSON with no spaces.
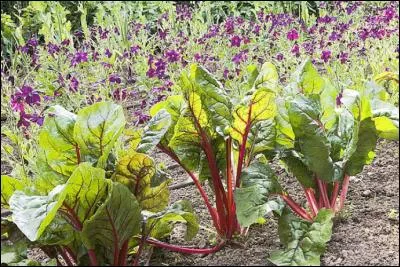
{"x":364,"y":234}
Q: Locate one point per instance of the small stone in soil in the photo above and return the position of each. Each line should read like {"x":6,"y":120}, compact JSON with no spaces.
{"x":366,"y":193}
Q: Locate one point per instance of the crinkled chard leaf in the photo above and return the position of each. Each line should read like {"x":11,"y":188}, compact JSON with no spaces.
{"x":161,"y":225}
{"x":186,"y":140}
{"x":58,"y":149}
{"x":252,"y":198}
{"x":386,"y":118}
{"x":136,"y":171}
{"x":308,"y":79}
{"x":175,"y":105}
{"x":8,"y":186}
{"x":294,"y":164}
{"x":96,"y":130}
{"x":311,"y":137}
{"x":33,"y":214}
{"x":284,"y":132}
{"x":212,"y":94}
{"x":260,"y":107}
{"x":267,"y":78}
{"x":305,"y":242}
{"x":86,"y":188}
{"x":116,"y":221}
{"x":154,"y":131}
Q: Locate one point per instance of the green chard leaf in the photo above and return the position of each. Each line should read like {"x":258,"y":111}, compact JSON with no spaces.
{"x":154,"y":131}
{"x":8,"y":186}
{"x":33,"y":214}
{"x":311,"y":137}
{"x":161,"y":225}
{"x":58,"y":149}
{"x":252,"y":198}
{"x":96,"y":130}
{"x":136,"y":171}
{"x":305,"y":242}
{"x":116,"y":221}
{"x":86,"y":188}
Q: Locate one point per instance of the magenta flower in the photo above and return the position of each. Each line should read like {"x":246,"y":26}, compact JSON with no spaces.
{"x":79,"y":57}
{"x":326,"y":55}
{"x":31,"y":96}
{"x":17,"y":102}
{"x":172,"y":56}
{"x":279,"y":56}
{"x":296,"y":50}
{"x":292,"y":35}
{"x":119,"y":94}
{"x":339,"y":100}
{"x":235,"y":41}
{"x":108,"y":53}
{"x":343,"y":56}
{"x":73,"y":84}
{"x":114,"y":78}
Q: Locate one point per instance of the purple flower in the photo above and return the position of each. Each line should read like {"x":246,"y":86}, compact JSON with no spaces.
{"x":60,"y":80}
{"x":240,"y":57}
{"x":108,"y":53}
{"x":79,"y":57}
{"x":134,"y":49}
{"x":33,"y":42}
{"x":74,"y":84}
{"x":141,"y":117}
{"x":235,"y":41}
{"x":326,"y":55}
{"x":334,"y":36}
{"x":343,"y":56}
{"x":339,"y":100}
{"x":119,"y":94}
{"x":162,"y":34}
{"x":65,"y":42}
{"x":229,"y":26}
{"x":292,"y":35}
{"x":226,"y":73}
{"x":36,"y":118}
{"x":114,"y":78}
{"x":197,"y":57}
{"x":296,"y":50}
{"x":52,"y":48}
{"x":23,"y":120}
{"x":95,"y":55}
{"x":151,"y":73}
{"x":257,"y":29}
{"x":279,"y":56}
{"x":183,"y":12}
{"x":31,"y":97}
{"x":363,"y":34}
{"x":17,"y":102}
{"x":172,"y":56}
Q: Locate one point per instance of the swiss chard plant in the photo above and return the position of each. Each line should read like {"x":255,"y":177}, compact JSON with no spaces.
{"x":220,"y":137}
{"x":89,"y":204}
{"x":325,"y":135}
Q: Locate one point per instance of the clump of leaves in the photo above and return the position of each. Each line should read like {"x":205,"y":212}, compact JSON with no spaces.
{"x":215,"y":136}
{"x":324,"y":136}
{"x":86,"y":204}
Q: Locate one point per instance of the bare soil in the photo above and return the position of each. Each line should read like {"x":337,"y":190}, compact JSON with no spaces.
{"x":364,"y":233}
